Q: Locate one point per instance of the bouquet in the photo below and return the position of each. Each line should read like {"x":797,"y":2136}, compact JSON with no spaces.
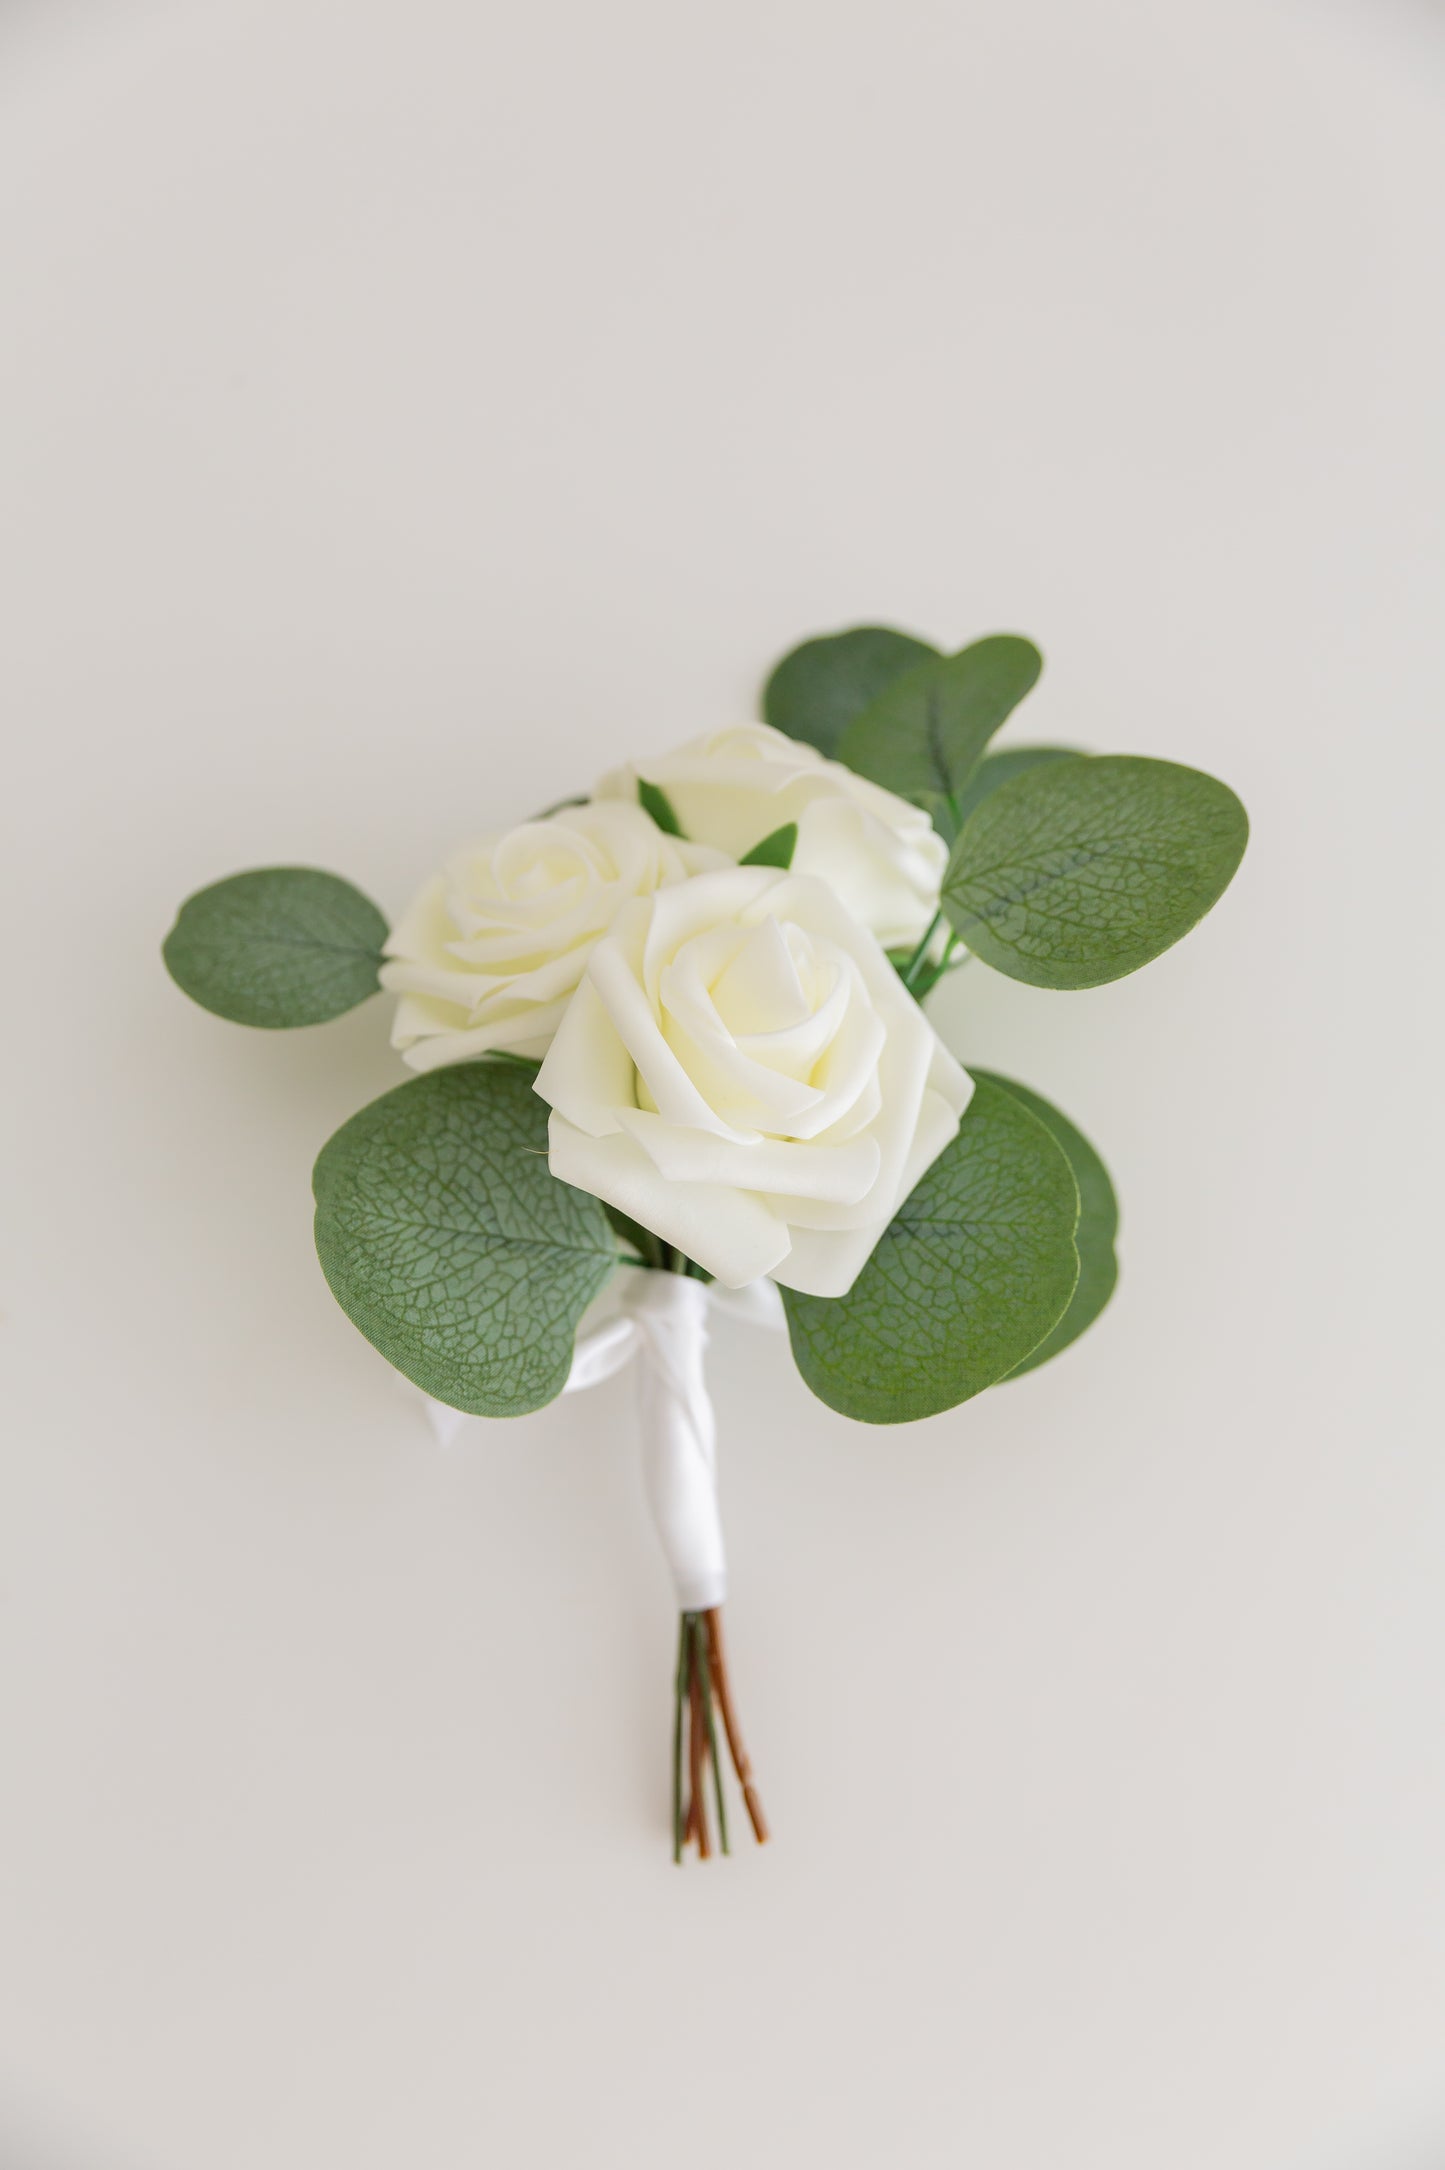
{"x":672,"y":1054}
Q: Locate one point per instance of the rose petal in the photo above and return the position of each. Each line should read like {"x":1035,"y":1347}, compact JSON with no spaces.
{"x":587,"y":1074}
{"x":843,"y":1174}
{"x":430,"y":1046}
{"x":729,"y":1232}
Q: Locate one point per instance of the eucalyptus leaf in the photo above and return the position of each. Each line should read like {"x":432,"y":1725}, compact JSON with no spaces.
{"x":1097,"y":1229}
{"x":277,"y":947}
{"x":1081,"y":870}
{"x":974,"y":1269}
{"x":447,"y":1239}
{"x":924,"y":735}
{"x":997,"y":768}
{"x":655,"y":801}
{"x":776,"y":849}
{"x":817,"y":689}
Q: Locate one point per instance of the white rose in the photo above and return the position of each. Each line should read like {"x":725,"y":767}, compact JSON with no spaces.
{"x":731,"y":789}
{"x":743,"y":1072}
{"x":492,"y":949}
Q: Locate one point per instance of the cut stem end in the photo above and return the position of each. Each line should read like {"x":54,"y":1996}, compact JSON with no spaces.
{"x":702,"y":1694}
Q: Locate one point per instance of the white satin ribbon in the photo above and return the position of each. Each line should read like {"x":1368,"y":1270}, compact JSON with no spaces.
{"x":663,"y":1322}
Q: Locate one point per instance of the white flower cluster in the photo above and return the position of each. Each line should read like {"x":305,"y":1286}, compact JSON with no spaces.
{"x":730,"y":1058}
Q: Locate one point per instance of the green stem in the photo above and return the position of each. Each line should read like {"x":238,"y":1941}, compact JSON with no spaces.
{"x":920,"y":954}
{"x":947,"y":963}
{"x":679,"y":1690}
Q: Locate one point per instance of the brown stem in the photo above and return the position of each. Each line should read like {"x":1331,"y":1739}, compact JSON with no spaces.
{"x":722,"y":1688}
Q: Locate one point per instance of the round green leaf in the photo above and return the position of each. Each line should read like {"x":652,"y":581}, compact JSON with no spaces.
{"x":923,"y":736}
{"x":819,"y":688}
{"x":971,"y":1273}
{"x":996,"y":768}
{"x":286,"y":945}
{"x":447,"y":1239}
{"x":1081,"y":870}
{"x":1098,"y":1224}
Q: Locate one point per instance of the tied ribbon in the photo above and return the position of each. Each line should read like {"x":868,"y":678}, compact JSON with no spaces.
{"x":663,"y":1323}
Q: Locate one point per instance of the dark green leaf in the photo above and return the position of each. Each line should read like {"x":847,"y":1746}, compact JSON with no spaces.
{"x":775,"y":849}
{"x":997,"y":768}
{"x":819,"y":688}
{"x":285,"y":945}
{"x":447,"y":1239}
{"x":924,"y":735}
{"x":1079,"y":871}
{"x":1098,"y":1224}
{"x":655,"y":801}
{"x":973,"y":1271}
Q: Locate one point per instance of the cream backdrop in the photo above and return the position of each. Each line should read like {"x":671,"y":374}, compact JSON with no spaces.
{"x":406,"y":412}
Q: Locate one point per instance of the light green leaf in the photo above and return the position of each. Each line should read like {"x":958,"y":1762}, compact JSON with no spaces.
{"x":1098,"y":1224}
{"x":997,"y":768}
{"x":1079,"y":871}
{"x":819,"y":688}
{"x":447,"y":1239}
{"x":975,"y":1268}
{"x":924,"y":735}
{"x":655,"y":801}
{"x":285,"y":945}
{"x":776,"y":849}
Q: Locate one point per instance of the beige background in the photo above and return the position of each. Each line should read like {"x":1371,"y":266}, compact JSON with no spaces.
{"x":405,"y":411}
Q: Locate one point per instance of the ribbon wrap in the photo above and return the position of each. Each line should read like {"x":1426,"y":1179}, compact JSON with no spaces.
{"x":663,"y":1323}
{"x":679,"y":1434}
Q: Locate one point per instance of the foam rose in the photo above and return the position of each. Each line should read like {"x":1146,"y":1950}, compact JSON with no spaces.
{"x":742,"y":1072}
{"x":491,"y":951}
{"x":882,"y":856}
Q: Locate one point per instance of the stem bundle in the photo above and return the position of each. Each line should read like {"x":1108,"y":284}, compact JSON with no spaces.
{"x":701,"y":1688}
